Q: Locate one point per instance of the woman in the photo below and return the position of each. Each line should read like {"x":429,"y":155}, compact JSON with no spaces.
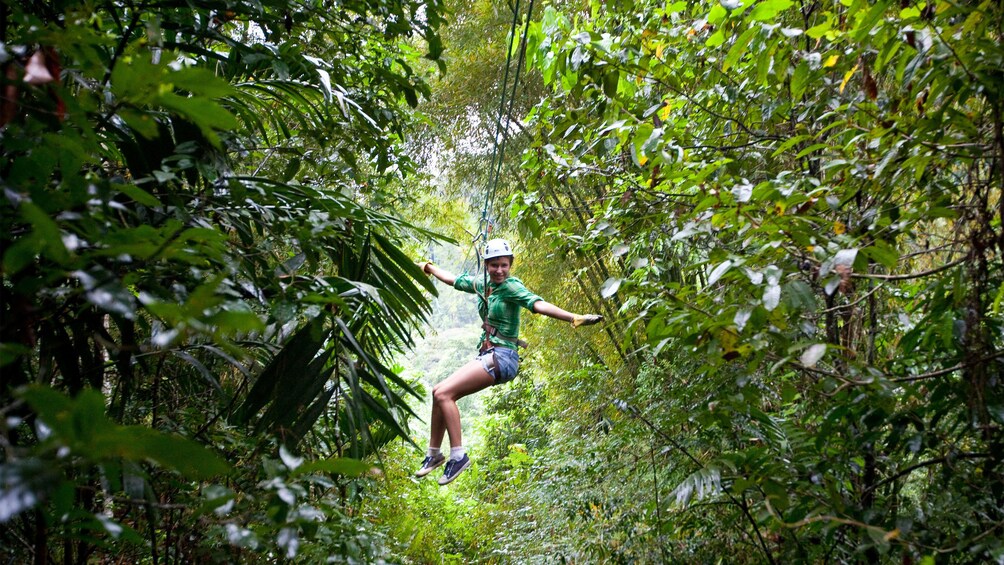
{"x":498,"y":360}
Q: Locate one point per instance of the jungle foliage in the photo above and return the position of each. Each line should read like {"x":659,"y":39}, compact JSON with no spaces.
{"x":795,"y":208}
{"x":788,"y":212}
{"x":205,"y":274}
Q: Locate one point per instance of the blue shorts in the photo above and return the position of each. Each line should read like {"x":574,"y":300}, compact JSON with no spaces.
{"x":508,"y":361}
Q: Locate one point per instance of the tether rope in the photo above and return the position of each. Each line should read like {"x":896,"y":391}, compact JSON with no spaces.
{"x":498,"y":146}
{"x":507,"y":111}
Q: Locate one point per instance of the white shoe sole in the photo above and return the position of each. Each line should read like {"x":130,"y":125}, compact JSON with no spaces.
{"x":425,"y":471}
{"x":444,"y":481}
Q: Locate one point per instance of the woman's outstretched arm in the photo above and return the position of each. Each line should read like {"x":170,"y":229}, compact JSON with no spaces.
{"x":442,"y":274}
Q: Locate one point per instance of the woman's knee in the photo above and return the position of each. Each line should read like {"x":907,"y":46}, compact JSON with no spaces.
{"x":441,"y":394}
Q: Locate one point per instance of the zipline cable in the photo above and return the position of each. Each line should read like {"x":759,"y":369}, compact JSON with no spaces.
{"x":480,"y":238}
{"x":507,"y":111}
{"x":484,"y":225}
{"x":498,"y":145}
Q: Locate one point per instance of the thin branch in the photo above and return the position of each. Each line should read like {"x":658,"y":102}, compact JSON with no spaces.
{"x":821,"y":518}
{"x":960,"y":545}
{"x":927,"y":251}
{"x":909,"y":276}
{"x":922,"y":464}
{"x":941,"y":372}
{"x":727,"y":147}
{"x":937,"y":31}
{"x":135,"y":501}
{"x":120,"y":48}
{"x":852,"y":304}
{"x":264,"y":160}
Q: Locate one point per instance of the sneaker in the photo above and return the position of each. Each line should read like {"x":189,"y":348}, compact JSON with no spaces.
{"x":428,"y":464}
{"x":454,"y":468}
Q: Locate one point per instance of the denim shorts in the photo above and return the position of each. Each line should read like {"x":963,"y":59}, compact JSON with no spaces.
{"x":508,"y":361}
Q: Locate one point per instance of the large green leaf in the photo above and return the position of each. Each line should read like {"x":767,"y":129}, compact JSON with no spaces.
{"x":80,"y":424}
{"x":290,"y":363}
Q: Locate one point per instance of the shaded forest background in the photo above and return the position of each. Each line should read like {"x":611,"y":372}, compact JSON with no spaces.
{"x":789,"y":214}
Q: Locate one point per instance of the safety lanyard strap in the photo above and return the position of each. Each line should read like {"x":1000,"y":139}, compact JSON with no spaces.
{"x":486,"y":325}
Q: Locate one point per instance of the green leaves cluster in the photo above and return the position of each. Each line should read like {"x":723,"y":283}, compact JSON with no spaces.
{"x":803,"y":199}
{"x":200,"y":240}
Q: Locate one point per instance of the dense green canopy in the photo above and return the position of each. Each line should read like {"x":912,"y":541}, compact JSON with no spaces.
{"x":789,"y":214}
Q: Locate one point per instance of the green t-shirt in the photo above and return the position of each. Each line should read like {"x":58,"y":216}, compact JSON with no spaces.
{"x":504,"y":303}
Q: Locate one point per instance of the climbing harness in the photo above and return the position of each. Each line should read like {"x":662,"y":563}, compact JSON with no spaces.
{"x":492,"y":331}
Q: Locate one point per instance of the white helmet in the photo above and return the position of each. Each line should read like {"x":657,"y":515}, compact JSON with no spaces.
{"x":497,"y":248}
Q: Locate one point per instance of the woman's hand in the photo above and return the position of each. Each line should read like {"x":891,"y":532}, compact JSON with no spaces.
{"x":552,"y":311}
{"x":424,"y":265}
{"x":585,"y":319}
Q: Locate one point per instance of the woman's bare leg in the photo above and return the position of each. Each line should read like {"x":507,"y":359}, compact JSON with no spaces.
{"x":466,"y":380}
